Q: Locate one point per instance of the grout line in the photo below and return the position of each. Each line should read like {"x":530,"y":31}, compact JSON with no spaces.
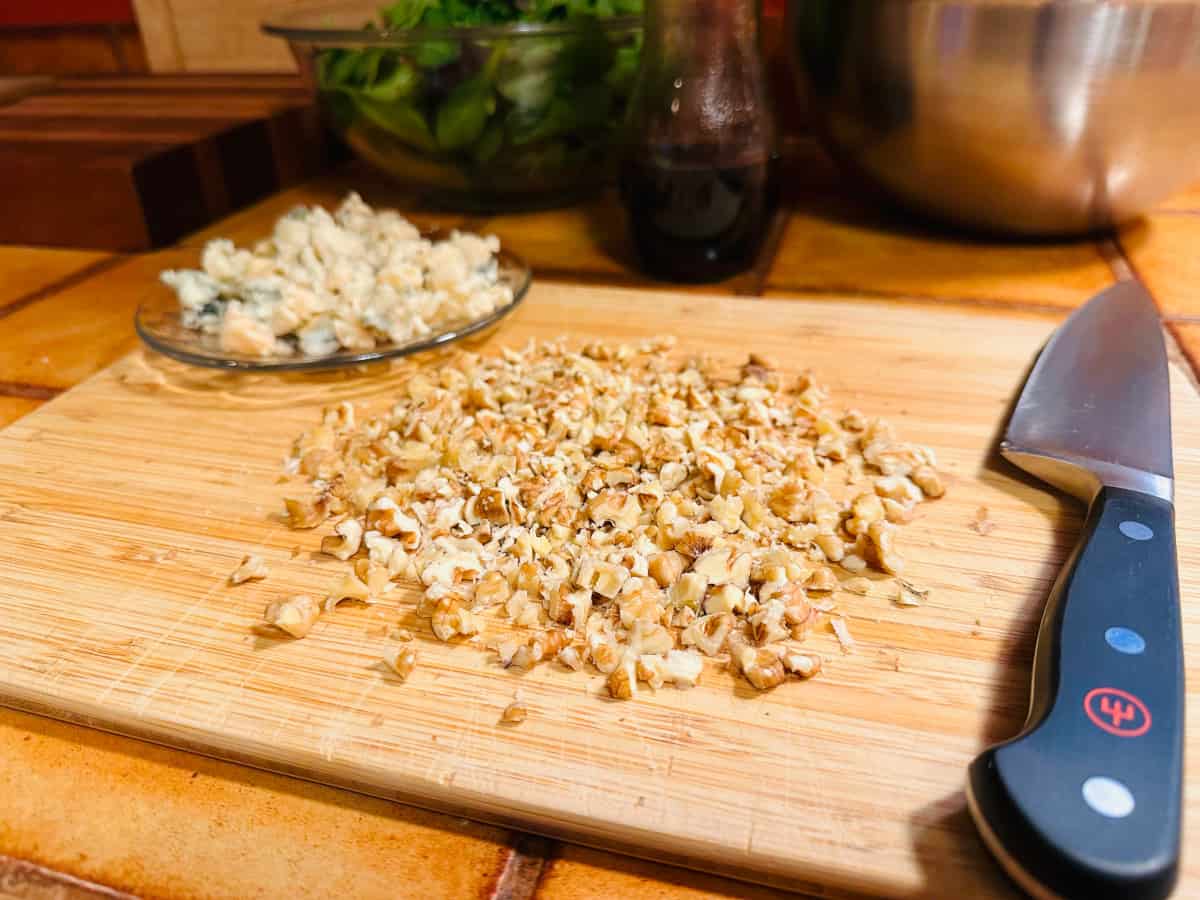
{"x":76,"y":277}
{"x":1118,"y":263}
{"x":1133,"y":267}
{"x":21,"y":878}
{"x":1178,"y":350}
{"x":1136,"y":274}
{"x":523,"y":869}
{"x":27,"y":391}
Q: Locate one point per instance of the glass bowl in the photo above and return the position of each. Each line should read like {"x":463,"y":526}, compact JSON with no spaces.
{"x":482,"y":118}
{"x":158,"y":324}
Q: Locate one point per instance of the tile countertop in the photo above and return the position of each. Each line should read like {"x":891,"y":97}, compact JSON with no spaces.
{"x":86,"y":814}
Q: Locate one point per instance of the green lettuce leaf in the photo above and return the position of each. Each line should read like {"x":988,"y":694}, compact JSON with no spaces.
{"x":400,"y":120}
{"x":463,"y":115}
{"x":406,"y":13}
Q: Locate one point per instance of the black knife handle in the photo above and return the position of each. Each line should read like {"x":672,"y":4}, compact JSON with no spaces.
{"x":1086,"y":800}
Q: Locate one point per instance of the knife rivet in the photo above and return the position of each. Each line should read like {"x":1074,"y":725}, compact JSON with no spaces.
{"x":1125,"y":640}
{"x":1108,"y":797}
{"x":1136,"y":531}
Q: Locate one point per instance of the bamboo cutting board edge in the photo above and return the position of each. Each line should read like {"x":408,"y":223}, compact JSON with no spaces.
{"x":533,"y":819}
{"x":441,"y":796}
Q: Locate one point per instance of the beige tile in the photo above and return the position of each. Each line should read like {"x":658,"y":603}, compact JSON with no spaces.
{"x":580,"y":873}
{"x":12,"y":408}
{"x":1165,"y":251}
{"x":589,"y":239}
{"x":1187,"y":199}
{"x":24,"y":270}
{"x":163,"y":823}
{"x":839,"y":245}
{"x":1187,"y":334}
{"x":63,"y":338}
{"x":24,"y":880}
{"x":589,"y":242}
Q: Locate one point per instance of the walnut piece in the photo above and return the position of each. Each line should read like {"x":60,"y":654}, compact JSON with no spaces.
{"x":882,"y":536}
{"x":806,"y":665}
{"x":401,"y":660}
{"x":666,"y":568}
{"x":308,"y":512}
{"x":295,"y":615}
{"x":762,"y":666}
{"x":345,"y":540}
{"x":251,"y":568}
{"x":514,"y":714}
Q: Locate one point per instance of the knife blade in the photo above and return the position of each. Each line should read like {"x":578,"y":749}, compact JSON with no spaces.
{"x":1096,"y":407}
{"x":1085,"y":801}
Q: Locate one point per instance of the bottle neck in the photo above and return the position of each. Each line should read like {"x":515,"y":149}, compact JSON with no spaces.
{"x":701,"y":26}
{"x":702,"y":83}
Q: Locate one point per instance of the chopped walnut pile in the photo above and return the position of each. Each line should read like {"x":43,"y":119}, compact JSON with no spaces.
{"x":615,"y":508}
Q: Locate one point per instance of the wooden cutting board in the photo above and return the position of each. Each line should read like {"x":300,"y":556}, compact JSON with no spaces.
{"x":125,"y":503}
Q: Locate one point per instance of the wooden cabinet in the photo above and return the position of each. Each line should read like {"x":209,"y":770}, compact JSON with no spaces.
{"x":48,"y":37}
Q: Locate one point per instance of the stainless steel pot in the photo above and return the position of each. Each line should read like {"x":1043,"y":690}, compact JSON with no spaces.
{"x":1035,"y":118}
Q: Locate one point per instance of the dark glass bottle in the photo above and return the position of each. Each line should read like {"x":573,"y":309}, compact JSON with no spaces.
{"x":698,"y":175}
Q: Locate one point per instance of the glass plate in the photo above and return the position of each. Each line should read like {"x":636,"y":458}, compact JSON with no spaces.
{"x":157,"y":322}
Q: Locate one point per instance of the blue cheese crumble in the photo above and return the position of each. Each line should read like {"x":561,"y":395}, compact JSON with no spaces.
{"x":353,"y":280}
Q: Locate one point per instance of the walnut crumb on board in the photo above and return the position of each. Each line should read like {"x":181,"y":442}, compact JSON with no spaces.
{"x":515,"y":713}
{"x":806,"y":665}
{"x":295,"y":615}
{"x":620,"y":509}
{"x":251,"y":568}
{"x":981,"y":524}
{"x":859,"y":585}
{"x":842,"y":631}
{"x":153,"y":556}
{"x":908,"y":594}
{"x":401,"y":660}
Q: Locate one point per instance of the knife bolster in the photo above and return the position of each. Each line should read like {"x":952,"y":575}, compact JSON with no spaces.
{"x":1084,"y":478}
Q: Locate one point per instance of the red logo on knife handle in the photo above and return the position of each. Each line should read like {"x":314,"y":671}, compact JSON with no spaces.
{"x":1117,"y":712}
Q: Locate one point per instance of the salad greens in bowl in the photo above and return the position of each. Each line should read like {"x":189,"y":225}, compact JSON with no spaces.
{"x":480,"y":104}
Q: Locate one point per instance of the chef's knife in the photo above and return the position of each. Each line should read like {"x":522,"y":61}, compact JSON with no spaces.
{"x":1085,"y":801}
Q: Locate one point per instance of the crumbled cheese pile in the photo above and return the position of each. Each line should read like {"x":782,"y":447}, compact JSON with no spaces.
{"x":352,"y":280}
{"x":634,"y":512}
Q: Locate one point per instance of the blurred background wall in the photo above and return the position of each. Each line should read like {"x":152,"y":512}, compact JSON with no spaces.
{"x":62,"y":37}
